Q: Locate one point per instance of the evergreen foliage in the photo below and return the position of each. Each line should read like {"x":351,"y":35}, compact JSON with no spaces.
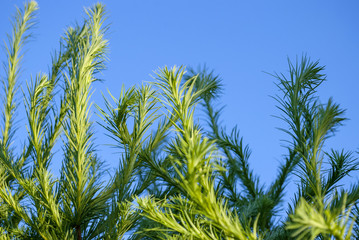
{"x":178,"y":178}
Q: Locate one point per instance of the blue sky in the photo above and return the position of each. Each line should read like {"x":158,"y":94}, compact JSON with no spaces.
{"x":240,"y":40}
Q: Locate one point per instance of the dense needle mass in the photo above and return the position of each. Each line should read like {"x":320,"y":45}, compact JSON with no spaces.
{"x":178,"y":178}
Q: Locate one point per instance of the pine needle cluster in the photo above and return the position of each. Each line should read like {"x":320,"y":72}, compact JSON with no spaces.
{"x":178,"y":177}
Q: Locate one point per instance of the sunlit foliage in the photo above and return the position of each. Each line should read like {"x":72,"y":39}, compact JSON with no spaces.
{"x":178,"y":177}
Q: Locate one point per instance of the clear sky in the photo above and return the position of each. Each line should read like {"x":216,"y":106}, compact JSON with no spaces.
{"x":240,"y":40}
